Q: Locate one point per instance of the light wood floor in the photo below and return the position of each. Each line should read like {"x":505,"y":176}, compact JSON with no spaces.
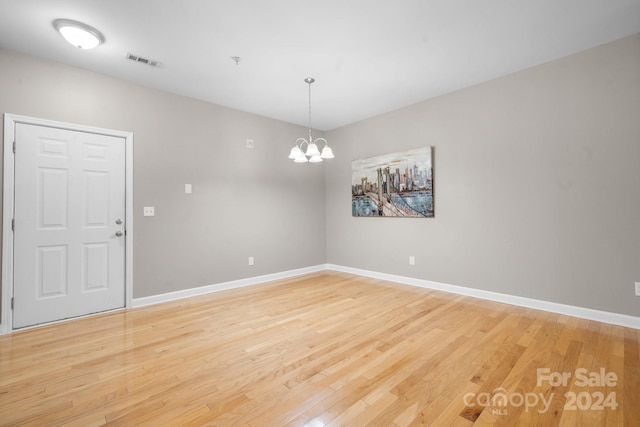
{"x":323,"y":349}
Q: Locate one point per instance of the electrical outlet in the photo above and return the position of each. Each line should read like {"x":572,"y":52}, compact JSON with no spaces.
{"x":149,"y":211}
{"x":188,"y":189}
{"x":638,"y":289}
{"x":250,"y":144}
{"x":412,"y":260}
{"x":250,"y":260}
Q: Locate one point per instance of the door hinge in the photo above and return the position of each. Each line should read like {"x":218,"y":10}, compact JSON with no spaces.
{"x":14,"y":147}
{"x":11,"y":303}
{"x":13,"y":224}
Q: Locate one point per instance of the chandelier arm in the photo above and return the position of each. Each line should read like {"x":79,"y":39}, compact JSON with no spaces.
{"x":321,"y":140}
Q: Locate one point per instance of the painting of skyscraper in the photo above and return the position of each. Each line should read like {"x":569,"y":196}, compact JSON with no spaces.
{"x":393,"y":185}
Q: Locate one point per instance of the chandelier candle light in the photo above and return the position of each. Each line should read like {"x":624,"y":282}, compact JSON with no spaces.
{"x":315,"y":156}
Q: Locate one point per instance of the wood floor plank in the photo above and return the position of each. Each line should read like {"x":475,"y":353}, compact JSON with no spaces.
{"x":326,"y":349}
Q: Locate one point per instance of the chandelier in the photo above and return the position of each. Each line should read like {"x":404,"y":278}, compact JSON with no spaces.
{"x":312,"y":153}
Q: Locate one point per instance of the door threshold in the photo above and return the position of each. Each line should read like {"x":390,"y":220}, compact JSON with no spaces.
{"x":67,"y":320}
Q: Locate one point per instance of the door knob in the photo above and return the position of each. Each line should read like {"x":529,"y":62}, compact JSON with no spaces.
{"x":119,"y":233}
{"x":118,"y":221}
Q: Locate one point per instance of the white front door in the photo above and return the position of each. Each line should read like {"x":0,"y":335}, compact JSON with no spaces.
{"x":69,"y":211}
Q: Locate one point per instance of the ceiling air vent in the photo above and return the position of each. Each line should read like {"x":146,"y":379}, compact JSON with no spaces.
{"x":136,"y":58}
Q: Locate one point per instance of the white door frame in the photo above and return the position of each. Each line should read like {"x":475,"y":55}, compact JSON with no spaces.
{"x":10,"y":120}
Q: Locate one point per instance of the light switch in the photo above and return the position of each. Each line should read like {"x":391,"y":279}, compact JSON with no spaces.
{"x":149,"y":211}
{"x":187,"y":189}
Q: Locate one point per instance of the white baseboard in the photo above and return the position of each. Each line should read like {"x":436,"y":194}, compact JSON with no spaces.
{"x":186,"y":293}
{"x":569,"y":310}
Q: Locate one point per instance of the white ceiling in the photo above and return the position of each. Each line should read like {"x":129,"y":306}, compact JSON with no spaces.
{"x":368,"y":56}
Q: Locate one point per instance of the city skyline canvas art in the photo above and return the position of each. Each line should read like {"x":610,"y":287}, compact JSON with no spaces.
{"x":393,"y":185}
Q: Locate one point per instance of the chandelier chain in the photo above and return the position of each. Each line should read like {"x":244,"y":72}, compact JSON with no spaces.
{"x":310,"y":139}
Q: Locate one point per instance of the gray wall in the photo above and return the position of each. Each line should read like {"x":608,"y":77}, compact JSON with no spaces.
{"x":244,"y":202}
{"x":537,"y":181}
{"x":537,"y":184}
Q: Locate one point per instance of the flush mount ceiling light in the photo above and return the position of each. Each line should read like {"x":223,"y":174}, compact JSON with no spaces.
{"x":312,"y":152}
{"x":78,"y":34}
